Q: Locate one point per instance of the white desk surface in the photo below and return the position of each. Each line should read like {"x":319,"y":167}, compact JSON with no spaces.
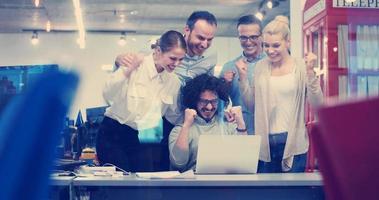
{"x":61,"y":180}
{"x":284,"y":179}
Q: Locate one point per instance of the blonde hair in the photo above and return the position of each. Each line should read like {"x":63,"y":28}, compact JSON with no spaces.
{"x":279,"y":25}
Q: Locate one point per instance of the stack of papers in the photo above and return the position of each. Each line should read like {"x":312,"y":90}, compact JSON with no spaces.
{"x":166,"y":175}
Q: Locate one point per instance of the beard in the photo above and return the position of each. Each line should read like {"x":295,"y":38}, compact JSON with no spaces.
{"x":208,"y":118}
{"x":193,"y":48}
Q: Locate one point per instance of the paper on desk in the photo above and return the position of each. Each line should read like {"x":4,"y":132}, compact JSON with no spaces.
{"x":166,"y":175}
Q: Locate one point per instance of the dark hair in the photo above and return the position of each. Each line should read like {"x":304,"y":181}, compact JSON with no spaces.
{"x":169,"y":40}
{"x":204,"y":15}
{"x":191,"y":92}
{"x":249,"y":19}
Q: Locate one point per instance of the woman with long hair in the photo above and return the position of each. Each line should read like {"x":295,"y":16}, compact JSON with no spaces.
{"x":279,"y":90}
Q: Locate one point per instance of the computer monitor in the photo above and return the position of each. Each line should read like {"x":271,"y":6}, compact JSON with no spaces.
{"x":96,"y":114}
{"x":87,"y":133}
{"x":15,"y":79}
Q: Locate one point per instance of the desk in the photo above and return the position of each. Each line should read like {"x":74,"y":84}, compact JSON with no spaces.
{"x":61,"y":180}
{"x":209,"y":187}
{"x":61,"y":187}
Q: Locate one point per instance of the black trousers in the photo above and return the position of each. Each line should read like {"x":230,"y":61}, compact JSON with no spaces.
{"x":165,"y":159}
{"x":118,"y":144}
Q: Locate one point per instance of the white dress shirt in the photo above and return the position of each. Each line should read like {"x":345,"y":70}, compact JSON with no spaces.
{"x":141,"y":100}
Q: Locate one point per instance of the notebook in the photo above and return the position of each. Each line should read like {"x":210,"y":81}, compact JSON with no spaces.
{"x":228,"y":154}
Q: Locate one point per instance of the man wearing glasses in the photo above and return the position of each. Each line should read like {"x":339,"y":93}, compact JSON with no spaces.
{"x":204,"y":98}
{"x":249,"y":31}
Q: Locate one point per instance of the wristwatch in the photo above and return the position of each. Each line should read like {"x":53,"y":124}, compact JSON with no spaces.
{"x":241,"y":130}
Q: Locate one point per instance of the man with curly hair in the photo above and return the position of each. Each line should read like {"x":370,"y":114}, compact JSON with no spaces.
{"x":204,"y":99}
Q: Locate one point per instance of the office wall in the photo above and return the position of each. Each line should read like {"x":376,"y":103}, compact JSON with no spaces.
{"x":101,"y":49}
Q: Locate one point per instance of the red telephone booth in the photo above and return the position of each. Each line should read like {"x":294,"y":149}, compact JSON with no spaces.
{"x":344,"y":34}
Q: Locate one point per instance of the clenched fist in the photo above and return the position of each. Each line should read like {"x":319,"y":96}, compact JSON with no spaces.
{"x":189,"y":116}
{"x":241,"y":65}
{"x":310,"y":61}
{"x":229,"y":76}
{"x":236,"y":112}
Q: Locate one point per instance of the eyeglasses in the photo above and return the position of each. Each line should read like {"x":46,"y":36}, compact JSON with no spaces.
{"x":205,"y":102}
{"x":244,"y":38}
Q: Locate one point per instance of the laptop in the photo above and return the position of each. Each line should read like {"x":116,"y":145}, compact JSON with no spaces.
{"x":228,"y":154}
{"x":68,"y":164}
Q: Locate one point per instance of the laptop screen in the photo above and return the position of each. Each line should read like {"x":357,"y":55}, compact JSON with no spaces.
{"x":228,"y":154}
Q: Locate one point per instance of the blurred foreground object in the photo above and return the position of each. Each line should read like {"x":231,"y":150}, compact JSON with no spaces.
{"x":347,"y":143}
{"x":29,"y":130}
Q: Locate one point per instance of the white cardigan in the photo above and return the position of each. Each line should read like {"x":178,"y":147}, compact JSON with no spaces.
{"x":256,"y":94}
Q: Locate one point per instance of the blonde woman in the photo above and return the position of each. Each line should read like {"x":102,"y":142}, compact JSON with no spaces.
{"x":279,"y":89}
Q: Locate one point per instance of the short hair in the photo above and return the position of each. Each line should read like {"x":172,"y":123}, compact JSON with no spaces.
{"x":279,"y":25}
{"x":249,"y":19}
{"x":198,"y":15}
{"x":190,"y":93}
{"x":170,"y":40}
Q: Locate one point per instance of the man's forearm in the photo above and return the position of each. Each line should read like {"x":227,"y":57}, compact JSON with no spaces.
{"x":182,"y":141}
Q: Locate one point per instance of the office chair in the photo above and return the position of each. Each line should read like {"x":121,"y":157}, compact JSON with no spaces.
{"x":29,"y":130}
{"x":347,"y":146}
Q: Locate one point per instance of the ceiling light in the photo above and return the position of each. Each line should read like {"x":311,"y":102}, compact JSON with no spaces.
{"x":34,"y":40}
{"x":36,"y":3}
{"x":134,"y":12}
{"x":350,"y":1}
{"x":48,"y":26}
{"x":259,"y":15}
{"x":79,"y":23}
{"x":269,"y":4}
{"x":122,"y":40}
